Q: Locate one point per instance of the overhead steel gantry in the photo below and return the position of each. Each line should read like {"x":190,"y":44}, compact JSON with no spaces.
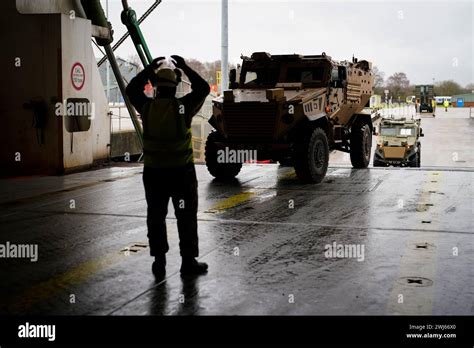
{"x":129,"y":18}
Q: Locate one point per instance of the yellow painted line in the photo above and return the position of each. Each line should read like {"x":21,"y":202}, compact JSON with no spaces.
{"x":230,"y":202}
{"x":288,"y":175}
{"x":418,"y":300}
{"x":243,"y":197}
{"x":62,"y":282}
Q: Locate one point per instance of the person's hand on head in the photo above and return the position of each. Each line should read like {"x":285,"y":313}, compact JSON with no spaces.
{"x":156,"y":63}
{"x":153,"y":67}
{"x":178,"y":61}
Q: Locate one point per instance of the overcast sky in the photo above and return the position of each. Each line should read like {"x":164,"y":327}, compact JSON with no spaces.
{"x":426,"y":40}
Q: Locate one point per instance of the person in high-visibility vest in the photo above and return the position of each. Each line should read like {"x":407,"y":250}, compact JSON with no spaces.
{"x":433,"y":106}
{"x":168,"y":159}
{"x":446,"y":104}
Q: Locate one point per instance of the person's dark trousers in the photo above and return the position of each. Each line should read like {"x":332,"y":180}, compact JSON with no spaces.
{"x":181,"y":185}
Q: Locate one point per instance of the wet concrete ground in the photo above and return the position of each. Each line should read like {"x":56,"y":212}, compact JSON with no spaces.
{"x":264,"y":237}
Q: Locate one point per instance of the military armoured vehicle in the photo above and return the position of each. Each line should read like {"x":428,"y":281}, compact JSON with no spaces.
{"x":398,"y":143}
{"x":292,"y":108}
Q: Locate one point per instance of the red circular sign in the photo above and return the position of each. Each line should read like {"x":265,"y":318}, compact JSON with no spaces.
{"x":78,"y":76}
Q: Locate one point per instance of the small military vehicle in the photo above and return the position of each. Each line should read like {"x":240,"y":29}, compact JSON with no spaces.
{"x":293,"y":109}
{"x":398,"y":143}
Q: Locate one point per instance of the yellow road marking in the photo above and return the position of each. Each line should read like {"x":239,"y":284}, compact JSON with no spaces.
{"x":287,"y":175}
{"x":421,"y":262}
{"x":231,"y":202}
{"x":245,"y":196}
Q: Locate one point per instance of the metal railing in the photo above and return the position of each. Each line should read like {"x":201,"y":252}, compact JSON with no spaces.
{"x":120,"y":118}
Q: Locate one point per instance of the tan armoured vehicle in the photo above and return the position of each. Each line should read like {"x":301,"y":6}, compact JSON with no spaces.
{"x":398,"y":143}
{"x":293,"y":109}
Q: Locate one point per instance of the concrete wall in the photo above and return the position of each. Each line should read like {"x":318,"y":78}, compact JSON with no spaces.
{"x":82,"y":148}
{"x":77,"y":147}
{"x":123,"y":142}
{"x":39,"y":51}
{"x":31,"y":68}
{"x":101,"y":123}
{"x":50,"y":6}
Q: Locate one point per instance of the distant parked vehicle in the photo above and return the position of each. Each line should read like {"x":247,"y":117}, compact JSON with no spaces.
{"x":398,"y":143}
{"x":440,"y":100}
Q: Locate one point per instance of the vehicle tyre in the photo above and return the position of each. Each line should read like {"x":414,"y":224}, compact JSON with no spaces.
{"x":360,"y":145}
{"x":419,"y":157}
{"x":311,"y":157}
{"x":223,"y":171}
{"x":414,"y":162}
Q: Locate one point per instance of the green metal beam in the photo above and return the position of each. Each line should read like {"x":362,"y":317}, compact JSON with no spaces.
{"x":129,"y":19}
{"x":95,"y":13}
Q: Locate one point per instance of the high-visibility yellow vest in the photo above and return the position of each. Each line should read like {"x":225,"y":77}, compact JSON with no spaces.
{"x":167,"y":141}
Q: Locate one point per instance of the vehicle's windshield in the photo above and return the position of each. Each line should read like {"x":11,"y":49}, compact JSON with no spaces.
{"x":268,"y":74}
{"x":388,"y":131}
{"x":261,"y":77}
{"x":305,"y":75}
{"x":396,"y":131}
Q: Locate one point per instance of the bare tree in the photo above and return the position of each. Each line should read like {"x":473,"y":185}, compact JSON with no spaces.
{"x":197,"y":66}
{"x":448,"y":88}
{"x":398,"y":84}
{"x":208,"y":70}
{"x":469,"y":88}
{"x":378,"y":80}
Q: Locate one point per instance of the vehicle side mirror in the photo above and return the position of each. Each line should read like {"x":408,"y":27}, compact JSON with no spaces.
{"x":421,"y":133}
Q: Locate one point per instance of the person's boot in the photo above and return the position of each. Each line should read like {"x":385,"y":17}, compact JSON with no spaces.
{"x":190,"y":267}
{"x":159,"y":266}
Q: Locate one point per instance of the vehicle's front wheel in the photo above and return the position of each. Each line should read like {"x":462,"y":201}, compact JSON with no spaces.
{"x":416,"y":161}
{"x":311,"y":157}
{"x":360,"y":145}
{"x":219,"y":170}
{"x":419,"y":156}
